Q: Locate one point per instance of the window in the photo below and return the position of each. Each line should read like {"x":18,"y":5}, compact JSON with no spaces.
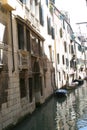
{"x":49,"y":25}
{"x":30,"y":89}
{"x":37,"y":45}
{"x":72,"y":49}
{"x":63,"y":24}
{"x":34,"y":44}
{"x":2,"y":40}
{"x":73,"y":63}
{"x":22,"y":85}
{"x":20,"y":36}
{"x":32,"y":40}
{"x":47,"y":2}
{"x":28,"y":39}
{"x":23,"y":1}
{"x":37,"y":2}
{"x":65,"y":47}
{"x":63,"y":61}
{"x":53,"y":33}
{"x":3,"y":33}
{"x":64,"y":74}
{"x":41,"y":15}
{"x":67,"y":62}
{"x":58,"y":60}
{"x":22,"y":88}
{"x":79,"y":48}
{"x":69,"y":48}
{"x":61,"y":33}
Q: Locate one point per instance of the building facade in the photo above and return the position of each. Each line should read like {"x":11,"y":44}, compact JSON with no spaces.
{"x":26,"y":67}
{"x":36,"y":50}
{"x":65,"y":51}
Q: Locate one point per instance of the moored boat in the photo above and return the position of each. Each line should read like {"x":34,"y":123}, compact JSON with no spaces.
{"x":61,"y":92}
{"x":80,"y":81}
{"x":71,"y":86}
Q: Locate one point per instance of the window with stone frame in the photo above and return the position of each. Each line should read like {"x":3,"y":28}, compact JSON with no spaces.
{"x":47,"y":2}
{"x":53,"y":33}
{"x":63,"y":24}
{"x":61,"y":32}
{"x":23,"y":1}
{"x":63,"y":60}
{"x":58,"y":58}
{"x":22,"y":83}
{"x":21,"y":41}
{"x":49,"y":25}
{"x":28,"y":40}
{"x":41,"y":14}
{"x":65,"y":46}
{"x":72,"y":49}
{"x":67,"y":62}
{"x":40,"y":47}
{"x":30,"y":85}
{"x":3,"y":42}
{"x":36,"y":45}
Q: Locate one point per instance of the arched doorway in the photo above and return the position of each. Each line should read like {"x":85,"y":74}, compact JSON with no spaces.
{"x":37,"y":82}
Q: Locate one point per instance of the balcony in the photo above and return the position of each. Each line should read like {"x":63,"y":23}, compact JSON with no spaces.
{"x":8,"y":4}
{"x":23,"y":59}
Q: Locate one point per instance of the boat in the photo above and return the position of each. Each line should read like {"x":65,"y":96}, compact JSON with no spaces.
{"x":61,"y":92}
{"x":71,"y":86}
{"x":80,"y":81}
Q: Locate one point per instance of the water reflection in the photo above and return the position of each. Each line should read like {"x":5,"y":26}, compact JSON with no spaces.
{"x":57,"y":114}
{"x":72,"y":114}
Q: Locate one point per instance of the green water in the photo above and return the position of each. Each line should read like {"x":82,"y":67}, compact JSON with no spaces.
{"x":56,"y":114}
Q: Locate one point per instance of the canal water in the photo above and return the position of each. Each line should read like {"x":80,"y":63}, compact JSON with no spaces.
{"x":59,"y":114}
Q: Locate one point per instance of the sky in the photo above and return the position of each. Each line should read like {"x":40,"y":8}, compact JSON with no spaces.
{"x":77,"y":10}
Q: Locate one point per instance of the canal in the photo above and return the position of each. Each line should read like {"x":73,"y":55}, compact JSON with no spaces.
{"x":59,"y":114}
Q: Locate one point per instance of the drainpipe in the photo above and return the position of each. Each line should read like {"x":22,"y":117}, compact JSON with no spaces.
{"x":13,"y":69}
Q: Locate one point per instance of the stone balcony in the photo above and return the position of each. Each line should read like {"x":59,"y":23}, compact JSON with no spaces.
{"x":23,"y":59}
